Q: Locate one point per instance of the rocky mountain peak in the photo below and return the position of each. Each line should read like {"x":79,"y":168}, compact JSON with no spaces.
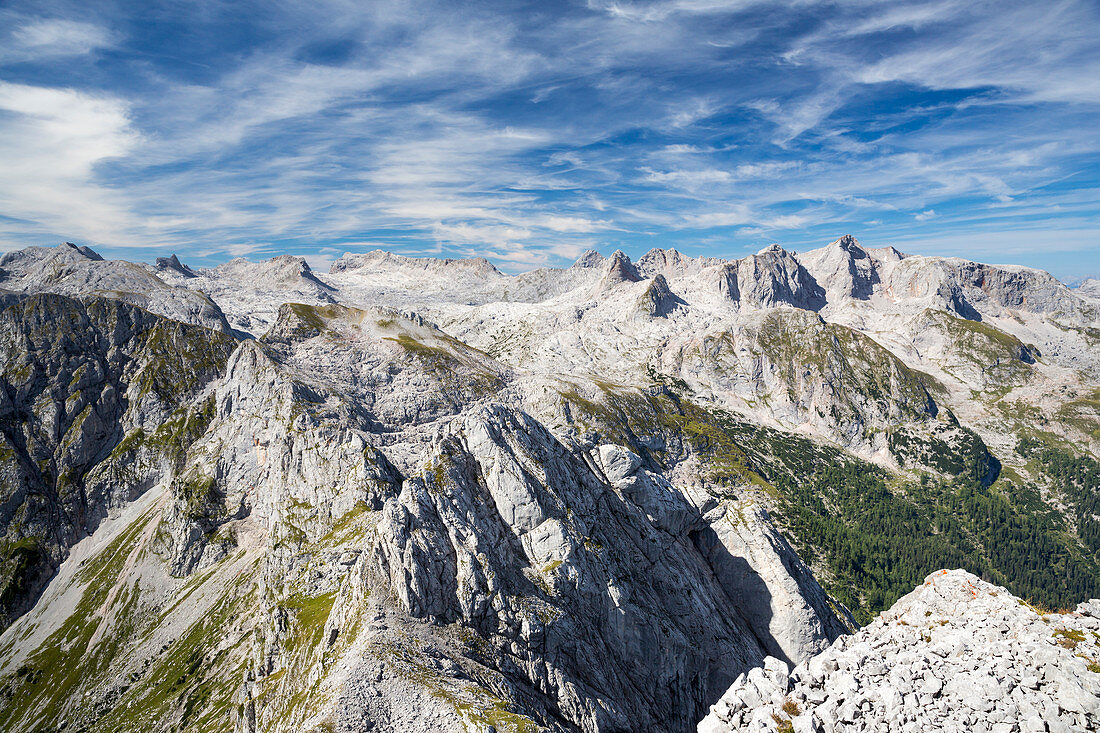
{"x":173,"y":264}
{"x":674,"y":264}
{"x":956,"y":653}
{"x":86,"y":252}
{"x":282,"y":272}
{"x":847,"y":243}
{"x":590,"y":258}
{"x":79,"y":271}
{"x":1089,"y":287}
{"x":383,"y":260}
{"x":287,"y":269}
{"x":844,"y":268}
{"x":658,"y":299}
{"x":659,"y":259}
{"x":619,"y":269}
{"x":38,"y":260}
{"x":771,"y":277}
{"x":889,"y":254}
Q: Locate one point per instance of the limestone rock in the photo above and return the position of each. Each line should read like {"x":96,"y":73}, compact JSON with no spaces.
{"x":956,"y":653}
{"x":79,"y":271}
{"x":426,"y":495}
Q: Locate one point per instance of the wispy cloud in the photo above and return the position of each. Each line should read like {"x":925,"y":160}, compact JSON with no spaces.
{"x":38,"y":39}
{"x":51,"y":142}
{"x":428,"y":127}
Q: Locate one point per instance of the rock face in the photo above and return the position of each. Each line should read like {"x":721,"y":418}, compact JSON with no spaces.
{"x":781,"y":601}
{"x":848,"y":270}
{"x":956,"y":654}
{"x":79,"y":271}
{"x":769,"y":278}
{"x":541,"y":550}
{"x":1089,"y":288}
{"x":173,"y":267}
{"x":366,"y":463}
{"x":419,"y":494}
{"x":810,"y":372}
{"x":82,"y":384}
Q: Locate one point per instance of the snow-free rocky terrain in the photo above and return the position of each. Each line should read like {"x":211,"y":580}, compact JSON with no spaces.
{"x":957,"y":654}
{"x":423,"y":495}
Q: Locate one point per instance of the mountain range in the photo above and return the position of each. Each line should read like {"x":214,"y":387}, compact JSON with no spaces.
{"x":421,"y":494}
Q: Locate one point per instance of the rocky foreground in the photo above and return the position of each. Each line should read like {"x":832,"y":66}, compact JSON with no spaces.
{"x":956,"y":654}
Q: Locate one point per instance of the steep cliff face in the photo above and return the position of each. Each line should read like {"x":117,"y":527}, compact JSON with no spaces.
{"x":522,"y":540}
{"x":970,"y":287}
{"x":97,"y":400}
{"x":769,"y":278}
{"x":846,"y":269}
{"x":553,"y":570}
{"x":430,"y":496}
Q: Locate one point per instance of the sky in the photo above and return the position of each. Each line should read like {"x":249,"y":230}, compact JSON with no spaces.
{"x":528,"y":132}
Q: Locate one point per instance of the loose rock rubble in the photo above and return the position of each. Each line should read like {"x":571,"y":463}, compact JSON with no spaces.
{"x":956,"y":654}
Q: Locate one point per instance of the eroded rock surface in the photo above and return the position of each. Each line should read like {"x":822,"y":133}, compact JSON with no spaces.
{"x":956,"y":654}
{"x":420,"y":494}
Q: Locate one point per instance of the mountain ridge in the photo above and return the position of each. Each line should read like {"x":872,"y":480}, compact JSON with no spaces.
{"x":429,"y":495}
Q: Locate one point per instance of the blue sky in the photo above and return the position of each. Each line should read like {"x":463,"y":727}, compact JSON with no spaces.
{"x":530,"y":131}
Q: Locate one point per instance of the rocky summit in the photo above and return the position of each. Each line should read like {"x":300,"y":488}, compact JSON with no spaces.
{"x":417,"y":494}
{"x":956,"y":654}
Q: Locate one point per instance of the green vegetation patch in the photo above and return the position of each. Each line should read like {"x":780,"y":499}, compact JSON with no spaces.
{"x":1069,"y":638}
{"x":631,"y":417}
{"x":421,"y":349}
{"x":1077,"y":478}
{"x":178,"y":358}
{"x":45,"y":690}
{"x":344,"y":528}
{"x":198,"y":493}
{"x":1083,"y":413}
{"x":310,"y":615}
{"x":195,"y":677}
{"x":173,"y":437}
{"x":854,"y":363}
{"x":19,"y":564}
{"x":983,"y":342}
{"x":959,"y":452}
{"x":470,"y":378}
{"x":879,"y":542}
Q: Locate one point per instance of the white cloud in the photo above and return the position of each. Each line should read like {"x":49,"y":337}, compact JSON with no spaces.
{"x":689,"y":178}
{"x":51,"y":141}
{"x":697,"y":177}
{"x":628,"y":117}
{"x":660,"y":10}
{"x":320,"y":262}
{"x":45,"y":38}
{"x":734,"y":216}
{"x":569,"y":223}
{"x":684,"y":115}
{"x":488,"y":234}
